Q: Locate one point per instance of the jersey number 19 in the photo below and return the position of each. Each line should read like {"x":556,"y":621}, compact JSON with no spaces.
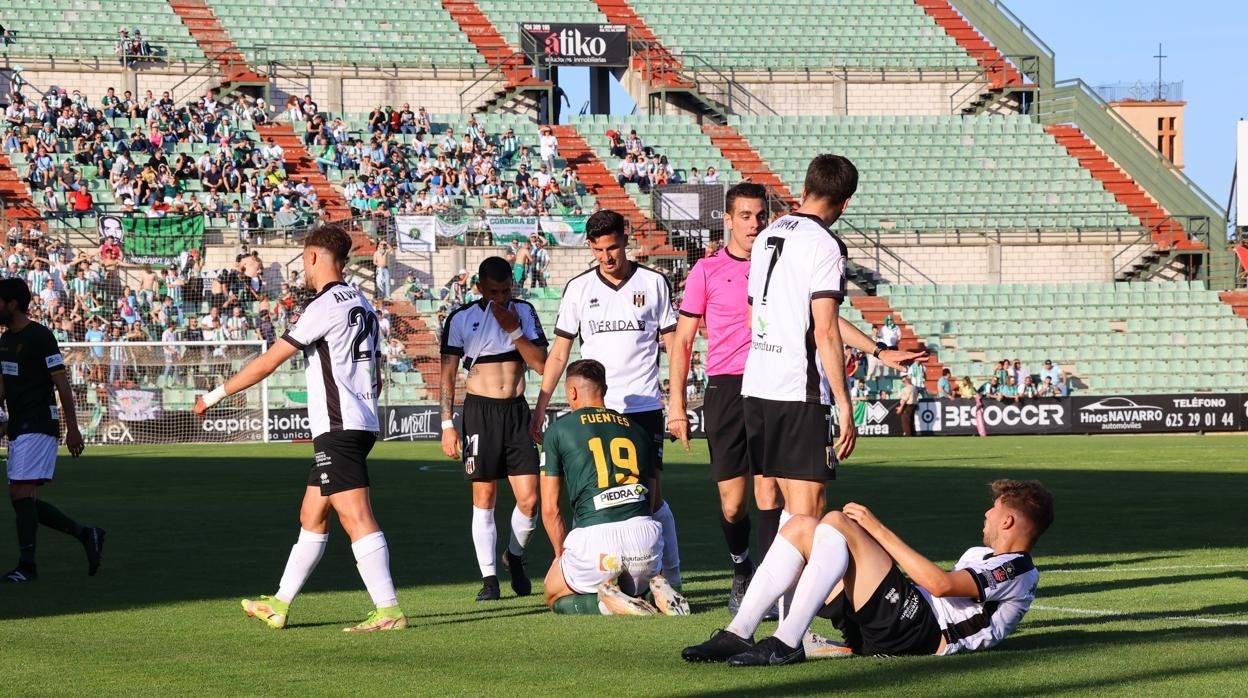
{"x":623,"y":461}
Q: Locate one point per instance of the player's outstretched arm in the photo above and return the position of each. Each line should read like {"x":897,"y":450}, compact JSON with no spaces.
{"x":556,"y":361}
{"x":924,"y":572}
{"x":446,"y":402}
{"x":831,"y":349}
{"x":893,"y":358}
{"x":679,"y":346}
{"x":255,"y":371}
{"x":552,"y":517}
{"x":73,"y":437}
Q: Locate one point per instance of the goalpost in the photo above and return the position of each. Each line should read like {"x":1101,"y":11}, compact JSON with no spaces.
{"x":144,"y":392}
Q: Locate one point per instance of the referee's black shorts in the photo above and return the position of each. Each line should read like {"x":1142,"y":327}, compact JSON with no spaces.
{"x":495,"y":439}
{"x":723,"y":419}
{"x":340,"y":461}
{"x":789,"y":439}
{"x":652,"y":422}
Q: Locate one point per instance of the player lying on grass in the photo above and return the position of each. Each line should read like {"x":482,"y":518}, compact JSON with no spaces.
{"x":848,"y":569}
{"x":615,"y":548}
{"x":338,"y":334}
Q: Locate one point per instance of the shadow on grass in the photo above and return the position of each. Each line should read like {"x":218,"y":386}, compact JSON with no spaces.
{"x":1056,"y":591}
{"x":1017,"y":656}
{"x":220,"y":525}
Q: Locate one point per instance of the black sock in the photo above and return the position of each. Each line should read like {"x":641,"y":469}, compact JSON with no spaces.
{"x":768,"y":527}
{"x":737,"y":534}
{"x":27,"y":528}
{"x":56,"y":520}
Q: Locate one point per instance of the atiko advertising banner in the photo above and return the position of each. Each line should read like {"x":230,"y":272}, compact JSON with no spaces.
{"x":596,"y":45}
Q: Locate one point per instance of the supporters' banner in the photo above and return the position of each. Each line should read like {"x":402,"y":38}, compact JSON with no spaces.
{"x":505,"y":229}
{"x":154,"y":240}
{"x":1156,"y":413}
{"x":134,"y":405}
{"x":597,"y":45}
{"x":960,"y":417}
{"x":566,"y":231}
{"x":416,"y":233}
{"x":450,"y":231}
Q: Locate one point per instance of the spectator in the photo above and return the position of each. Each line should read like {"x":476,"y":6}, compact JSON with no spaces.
{"x":1051,"y":372}
{"x":694,"y":177}
{"x":890,"y":333}
{"x":541,"y":261}
{"x":1001,"y":371}
{"x":991,"y":389}
{"x":966,"y":389}
{"x":1009,"y":391}
{"x":1047,"y":389}
{"x":1018,"y":373}
{"x":381,"y":265}
{"x":712,"y":177}
{"x":1029,"y":390}
{"x":944,"y":389}
{"x":548,"y":147}
{"x":918,"y":377}
{"x":860,"y":392}
{"x":906,"y":403}
{"x":81,"y":203}
{"x":456,"y":290}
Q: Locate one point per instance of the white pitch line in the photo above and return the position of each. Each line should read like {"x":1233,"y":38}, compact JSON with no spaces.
{"x":1165,"y":568}
{"x":1090,"y":612}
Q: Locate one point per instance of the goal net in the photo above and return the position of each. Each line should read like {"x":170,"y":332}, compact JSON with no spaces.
{"x":144,"y":392}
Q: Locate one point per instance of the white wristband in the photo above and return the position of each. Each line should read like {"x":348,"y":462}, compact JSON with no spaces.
{"x":515,"y":334}
{"x":216,"y":395}
{"x":448,"y":424}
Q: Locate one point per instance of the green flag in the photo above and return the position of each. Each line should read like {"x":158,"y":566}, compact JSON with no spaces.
{"x":161,"y":240}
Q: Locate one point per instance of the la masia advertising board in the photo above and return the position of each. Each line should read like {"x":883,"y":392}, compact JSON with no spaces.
{"x":1126,"y":414}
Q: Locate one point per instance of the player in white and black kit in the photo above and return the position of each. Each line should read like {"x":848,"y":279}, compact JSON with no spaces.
{"x":797,"y":284}
{"x":498,"y":339}
{"x":622,"y":312}
{"x":337,"y":331}
{"x":848,"y":568}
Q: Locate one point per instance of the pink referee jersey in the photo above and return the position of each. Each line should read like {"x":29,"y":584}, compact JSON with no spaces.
{"x":716,"y":290}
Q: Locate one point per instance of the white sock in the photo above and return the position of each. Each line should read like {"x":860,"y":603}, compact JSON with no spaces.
{"x":671,"y":549}
{"x":372,"y":559}
{"x":304,"y":556}
{"x":829,"y":558}
{"x":773,"y":576}
{"x":484,"y":539}
{"x":521,"y":528}
{"x":782,"y":604}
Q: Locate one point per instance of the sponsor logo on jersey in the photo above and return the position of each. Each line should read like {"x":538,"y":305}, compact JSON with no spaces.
{"x":631,"y":325}
{"x":593,"y":302}
{"x":617,"y":496}
{"x":9,"y":367}
{"x":608,"y":562}
{"x":54,"y":360}
{"x":639,"y":299}
{"x":892,"y":596}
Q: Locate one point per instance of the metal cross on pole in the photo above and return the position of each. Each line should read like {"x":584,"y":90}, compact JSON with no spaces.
{"x":1160,"y":57}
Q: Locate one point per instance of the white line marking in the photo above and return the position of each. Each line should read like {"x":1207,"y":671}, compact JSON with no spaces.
{"x":1110,"y":614}
{"x":1164,"y":568}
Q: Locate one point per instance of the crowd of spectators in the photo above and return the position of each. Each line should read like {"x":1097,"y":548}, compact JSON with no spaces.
{"x":73,"y":147}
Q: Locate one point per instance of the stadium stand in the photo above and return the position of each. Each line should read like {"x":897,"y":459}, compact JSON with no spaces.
{"x":417,"y":33}
{"x":507,"y":15}
{"x":1110,"y":337}
{"x":91,"y":29}
{"x":878,"y":34}
{"x":944,"y":173}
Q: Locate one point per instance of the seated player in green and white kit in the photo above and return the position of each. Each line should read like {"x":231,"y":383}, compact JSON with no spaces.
{"x":615,"y":548}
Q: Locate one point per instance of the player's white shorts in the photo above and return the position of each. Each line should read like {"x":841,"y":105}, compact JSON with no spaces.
{"x":602,"y":552}
{"x":32,"y":457}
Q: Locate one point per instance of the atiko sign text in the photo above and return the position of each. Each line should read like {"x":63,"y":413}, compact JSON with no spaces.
{"x":597,"y":45}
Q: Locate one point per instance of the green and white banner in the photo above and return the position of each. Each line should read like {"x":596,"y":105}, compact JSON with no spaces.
{"x":154,"y":240}
{"x":566,"y":231}
{"x":505,"y":229}
{"x":422,"y":233}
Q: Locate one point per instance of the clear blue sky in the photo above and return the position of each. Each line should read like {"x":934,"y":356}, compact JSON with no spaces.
{"x":1112,"y":41}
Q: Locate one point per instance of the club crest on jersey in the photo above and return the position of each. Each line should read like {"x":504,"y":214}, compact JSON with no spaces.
{"x":470,"y":465}
{"x":639,"y":300}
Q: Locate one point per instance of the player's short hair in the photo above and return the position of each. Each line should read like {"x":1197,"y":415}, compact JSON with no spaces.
{"x":494,"y":269}
{"x":589,"y":370}
{"x":744,"y":190}
{"x":331,"y":237}
{"x":603,"y":223}
{"x":15,"y":289}
{"x":831,"y":177}
{"x":1029,"y":498}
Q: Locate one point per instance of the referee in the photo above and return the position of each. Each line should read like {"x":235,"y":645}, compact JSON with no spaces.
{"x":716,"y":293}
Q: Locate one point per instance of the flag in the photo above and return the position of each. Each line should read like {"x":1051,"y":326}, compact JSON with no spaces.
{"x":154,"y":240}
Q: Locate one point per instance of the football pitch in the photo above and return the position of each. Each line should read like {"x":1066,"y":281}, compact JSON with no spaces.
{"x":1142,"y":587}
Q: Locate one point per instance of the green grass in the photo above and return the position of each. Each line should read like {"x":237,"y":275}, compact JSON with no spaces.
{"x":1142,"y":580}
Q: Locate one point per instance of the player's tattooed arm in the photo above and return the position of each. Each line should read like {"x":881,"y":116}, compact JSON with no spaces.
{"x":446,"y":395}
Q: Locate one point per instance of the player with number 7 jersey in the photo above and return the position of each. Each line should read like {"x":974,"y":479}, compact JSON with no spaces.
{"x":603,"y":461}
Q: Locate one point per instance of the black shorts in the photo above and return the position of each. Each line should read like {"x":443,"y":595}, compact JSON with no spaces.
{"x":723,"y":421}
{"x":495,"y":439}
{"x":340,"y":461}
{"x":789,"y":439}
{"x":653,"y":423}
{"x":896,"y":620}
